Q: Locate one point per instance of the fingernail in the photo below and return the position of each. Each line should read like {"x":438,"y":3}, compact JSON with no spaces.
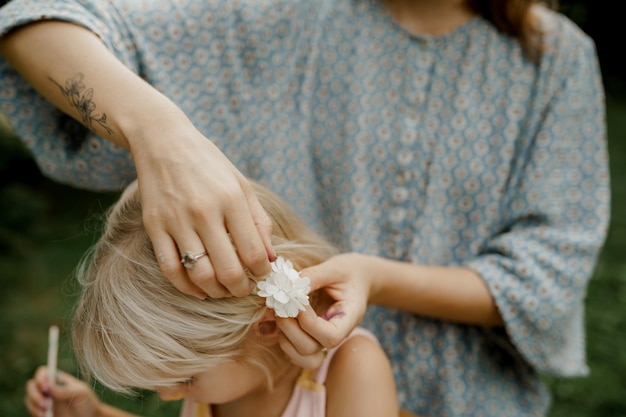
{"x":201,"y":295}
{"x":330,"y":316}
{"x":251,"y":285}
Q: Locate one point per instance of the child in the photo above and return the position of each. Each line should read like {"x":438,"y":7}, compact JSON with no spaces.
{"x":133,"y":329}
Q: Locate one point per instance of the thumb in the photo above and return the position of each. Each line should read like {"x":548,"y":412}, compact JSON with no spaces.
{"x":320,"y":276}
{"x":331,"y":328}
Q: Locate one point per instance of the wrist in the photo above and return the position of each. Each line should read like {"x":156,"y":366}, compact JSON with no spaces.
{"x":372,"y":269}
{"x":392,"y":281}
{"x":145,"y":124}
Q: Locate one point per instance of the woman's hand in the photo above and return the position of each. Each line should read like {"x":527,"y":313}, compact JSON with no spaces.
{"x":70,"y":397}
{"x":195,"y":200}
{"x":347,"y":282}
{"x":451,"y":293}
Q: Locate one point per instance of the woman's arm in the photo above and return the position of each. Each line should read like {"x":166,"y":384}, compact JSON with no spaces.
{"x":70,"y":67}
{"x":453,"y":294}
{"x":360,"y":381}
{"x":194,"y":198}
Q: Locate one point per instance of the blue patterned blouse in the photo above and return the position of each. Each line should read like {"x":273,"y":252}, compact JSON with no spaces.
{"x":447,"y":150}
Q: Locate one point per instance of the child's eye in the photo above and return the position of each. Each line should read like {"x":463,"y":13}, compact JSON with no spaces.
{"x":187,"y":382}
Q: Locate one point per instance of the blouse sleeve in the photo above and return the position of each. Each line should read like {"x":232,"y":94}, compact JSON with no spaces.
{"x":64,"y":149}
{"x":556,"y":216}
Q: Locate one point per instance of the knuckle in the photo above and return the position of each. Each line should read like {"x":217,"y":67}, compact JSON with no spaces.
{"x":255,"y":259}
{"x":225,"y":197}
{"x":231,"y":195}
{"x":231,"y":275}
{"x":202,"y":273}
{"x":170,"y":268}
{"x":202,"y":279}
{"x":310,"y":352}
{"x":332,"y":341}
{"x":151,"y":216}
{"x":200,"y":210}
{"x":210,"y":286}
{"x":264,"y":222}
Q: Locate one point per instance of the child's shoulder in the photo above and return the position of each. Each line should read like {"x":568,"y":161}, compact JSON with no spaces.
{"x":360,"y":380}
{"x":359,"y":348}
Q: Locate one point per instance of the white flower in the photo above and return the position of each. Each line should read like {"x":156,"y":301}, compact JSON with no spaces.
{"x":285,"y":291}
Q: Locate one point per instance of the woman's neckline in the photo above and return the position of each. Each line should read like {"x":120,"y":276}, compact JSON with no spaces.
{"x":391,"y":21}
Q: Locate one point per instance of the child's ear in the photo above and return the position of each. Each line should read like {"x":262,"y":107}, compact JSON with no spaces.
{"x":266,"y":328}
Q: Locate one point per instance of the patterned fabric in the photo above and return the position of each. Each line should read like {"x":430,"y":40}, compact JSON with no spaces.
{"x":309,"y":394}
{"x":447,"y":150}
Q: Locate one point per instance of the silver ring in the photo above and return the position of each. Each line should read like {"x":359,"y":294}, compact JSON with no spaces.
{"x":189,"y":259}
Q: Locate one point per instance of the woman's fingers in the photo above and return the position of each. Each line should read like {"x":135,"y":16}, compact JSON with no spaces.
{"x":311,"y":361}
{"x":341,"y":302}
{"x":228,"y":277}
{"x":263,"y":224}
{"x":169,"y":260}
{"x":306,"y":338}
{"x":215,"y":211}
{"x":303,"y":350}
{"x":234,"y":244}
{"x":246,"y":235}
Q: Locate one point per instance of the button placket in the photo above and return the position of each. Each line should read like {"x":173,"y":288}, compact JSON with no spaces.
{"x":412,"y":149}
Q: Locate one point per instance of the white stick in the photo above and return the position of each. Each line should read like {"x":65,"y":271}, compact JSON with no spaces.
{"x":53,"y":348}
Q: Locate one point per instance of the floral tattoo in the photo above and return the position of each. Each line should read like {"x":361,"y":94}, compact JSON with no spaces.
{"x":81,"y":99}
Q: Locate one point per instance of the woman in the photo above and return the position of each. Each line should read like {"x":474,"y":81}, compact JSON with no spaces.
{"x":454,"y":150}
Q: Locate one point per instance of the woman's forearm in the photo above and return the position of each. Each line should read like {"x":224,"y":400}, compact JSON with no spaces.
{"x":73,"y":69}
{"x":448,"y":293}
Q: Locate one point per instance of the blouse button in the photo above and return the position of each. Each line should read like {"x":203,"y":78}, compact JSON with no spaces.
{"x":402,"y":177}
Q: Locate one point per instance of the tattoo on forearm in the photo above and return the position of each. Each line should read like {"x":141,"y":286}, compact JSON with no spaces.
{"x":81,"y":99}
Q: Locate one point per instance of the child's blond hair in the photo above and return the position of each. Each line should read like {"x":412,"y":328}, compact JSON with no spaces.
{"x":133,"y":329}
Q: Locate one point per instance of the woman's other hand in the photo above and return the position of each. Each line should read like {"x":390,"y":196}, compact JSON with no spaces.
{"x":346,"y":281}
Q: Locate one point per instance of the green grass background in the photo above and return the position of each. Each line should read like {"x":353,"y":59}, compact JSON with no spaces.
{"x":46,"y":227}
